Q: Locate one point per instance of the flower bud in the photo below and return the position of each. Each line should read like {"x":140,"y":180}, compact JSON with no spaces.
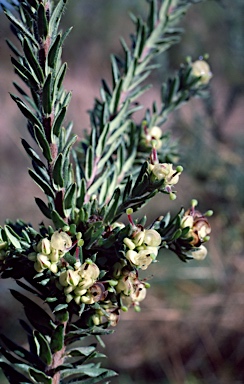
{"x":96,"y":319}
{"x":129,"y":243}
{"x":54,"y":256}
{"x":54,"y":268}
{"x":155,"y":132}
{"x":80,"y":291}
{"x":69,"y":298}
{"x":88,"y":299}
{"x":200,"y":68}
{"x":77,"y":299}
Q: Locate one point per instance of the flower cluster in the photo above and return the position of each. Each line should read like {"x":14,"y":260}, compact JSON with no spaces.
{"x":142,"y":247}
{"x":49,"y":252}
{"x":81,"y":284}
{"x":199,"y":230}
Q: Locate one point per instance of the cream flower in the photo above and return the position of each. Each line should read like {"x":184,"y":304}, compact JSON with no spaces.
{"x":200,"y":68}
{"x":42,"y":262}
{"x":199,"y":253}
{"x":165,"y":171}
{"x":44,"y":247}
{"x":141,"y":259}
{"x":199,"y":226}
{"x":152,"y":238}
{"x":61,"y":241}
{"x":69,"y":277}
{"x":155,"y":132}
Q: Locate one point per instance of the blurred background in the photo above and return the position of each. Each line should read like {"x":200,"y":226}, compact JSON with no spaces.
{"x":191,"y":327}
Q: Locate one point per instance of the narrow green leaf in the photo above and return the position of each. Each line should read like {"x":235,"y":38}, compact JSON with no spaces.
{"x":81,"y":351}
{"x":58,"y":221}
{"x":26,"y":111}
{"x":12,"y":236}
{"x":115,"y":70}
{"x":81,"y":197}
{"x":13,"y":359}
{"x":59,"y":78}
{"x":112,"y":207}
{"x":55,"y":17}
{"x":114,"y":103}
{"x":43,"y":348}
{"x":57,"y":341}
{"x":70,"y":197}
{"x":68,"y":145}
{"x":102,"y":140}
{"x":34,"y":64}
{"x":27,"y":98}
{"x":99,"y":181}
{"x":58,"y":121}
{"x":58,"y":171}
{"x":60,"y":307}
{"x":42,"y":21}
{"x":54,"y":52}
{"x":25,"y":75}
{"x":47,"y":94}
{"x":35,"y":312}
{"x":43,"y":207}
{"x":39,"y":376}
{"x":21,"y":352}
{"x":43,"y":143}
{"x":41,"y":183}
{"x":13,"y":48}
{"x":19,"y":25}
{"x":89,"y":162}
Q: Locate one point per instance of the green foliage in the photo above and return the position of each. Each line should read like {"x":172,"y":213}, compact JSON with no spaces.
{"x":85,"y":269}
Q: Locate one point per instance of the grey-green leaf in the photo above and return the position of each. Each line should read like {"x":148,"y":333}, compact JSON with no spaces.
{"x":43,"y":348}
{"x":41,"y":183}
{"x":58,"y":171}
{"x":47,"y":94}
{"x":12,"y":236}
{"x":43,"y":143}
{"x":42,"y":21}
